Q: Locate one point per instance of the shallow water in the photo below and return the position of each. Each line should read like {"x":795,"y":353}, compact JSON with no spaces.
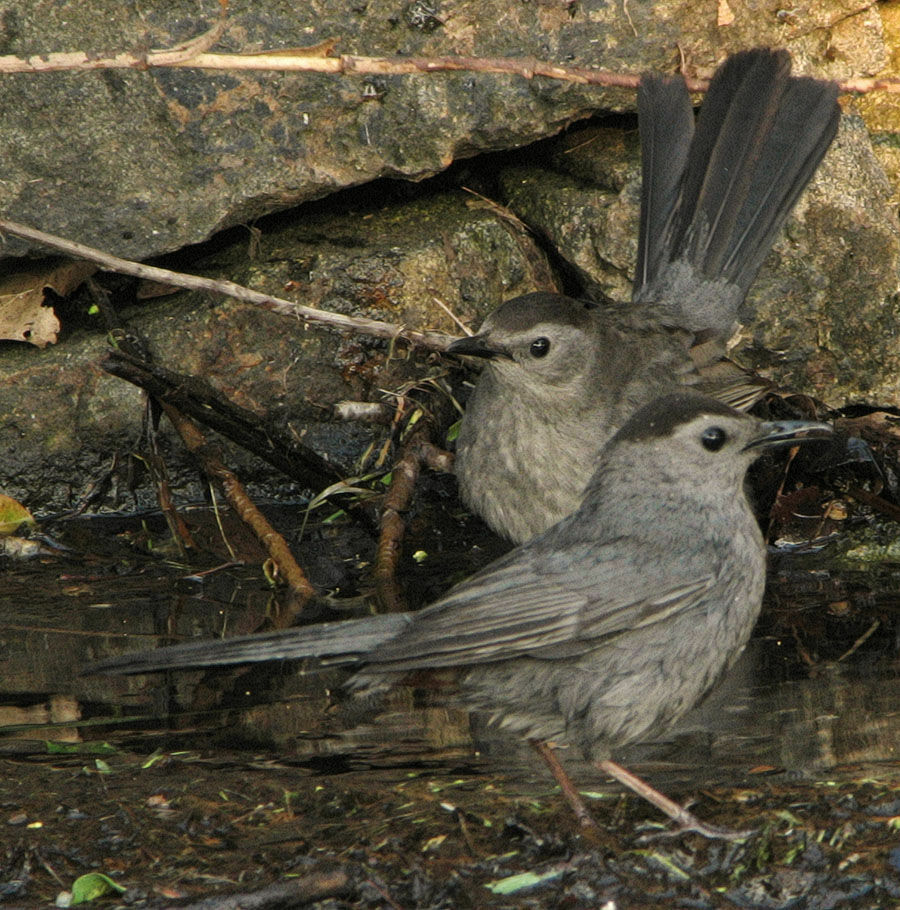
{"x":201,"y":782}
{"x":817,"y":688}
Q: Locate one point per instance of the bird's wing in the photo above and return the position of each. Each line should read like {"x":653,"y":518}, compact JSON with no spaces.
{"x":528,"y":606}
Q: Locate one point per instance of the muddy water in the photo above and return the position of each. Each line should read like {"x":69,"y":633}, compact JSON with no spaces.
{"x":205,"y":783}
{"x":818,"y":688}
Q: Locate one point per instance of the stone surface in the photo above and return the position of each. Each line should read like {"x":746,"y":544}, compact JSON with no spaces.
{"x":139,"y":162}
{"x":67,"y":423}
{"x":827,"y":306}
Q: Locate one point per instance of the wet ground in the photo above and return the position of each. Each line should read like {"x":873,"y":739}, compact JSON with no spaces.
{"x":265,"y":783}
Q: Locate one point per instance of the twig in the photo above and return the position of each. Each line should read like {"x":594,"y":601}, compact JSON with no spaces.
{"x":792,"y":454}
{"x":436,"y":458}
{"x":197,"y":399}
{"x":178,"y":528}
{"x":860,"y":641}
{"x":153,"y":460}
{"x":364,"y":411}
{"x":341,"y":65}
{"x":241,"y":503}
{"x":296,"y":892}
{"x":452,"y":315}
{"x":297,"y":60}
{"x":436,"y":341}
{"x":404,"y":475}
{"x":875,"y":502}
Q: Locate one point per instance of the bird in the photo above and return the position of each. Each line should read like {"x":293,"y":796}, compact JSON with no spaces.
{"x":561,"y":375}
{"x":600,"y":632}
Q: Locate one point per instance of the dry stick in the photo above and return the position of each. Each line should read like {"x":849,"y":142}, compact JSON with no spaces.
{"x":860,"y":641}
{"x":79,"y":60}
{"x":274,"y":543}
{"x":436,"y":341}
{"x":876,"y":502}
{"x":301,"y":60}
{"x":178,"y":529}
{"x":404,"y":475}
{"x":297,"y":892}
{"x":392,"y":524}
{"x":339,"y":65}
{"x":197,"y":399}
{"x":436,"y":458}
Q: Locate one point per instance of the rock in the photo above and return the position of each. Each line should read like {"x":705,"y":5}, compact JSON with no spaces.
{"x":140,"y":162}
{"x":64,"y":418}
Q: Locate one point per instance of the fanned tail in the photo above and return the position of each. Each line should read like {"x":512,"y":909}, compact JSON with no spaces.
{"x":760,"y":136}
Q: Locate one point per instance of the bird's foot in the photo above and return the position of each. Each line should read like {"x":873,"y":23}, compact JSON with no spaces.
{"x":686,"y":823}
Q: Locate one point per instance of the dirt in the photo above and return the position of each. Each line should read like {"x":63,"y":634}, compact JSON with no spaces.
{"x":184,"y":826}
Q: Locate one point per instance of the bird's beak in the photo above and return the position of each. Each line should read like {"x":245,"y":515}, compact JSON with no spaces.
{"x":478,"y":346}
{"x":775,"y":433}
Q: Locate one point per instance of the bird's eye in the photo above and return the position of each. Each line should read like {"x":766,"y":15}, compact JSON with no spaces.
{"x":540,"y":347}
{"x":713,"y":438}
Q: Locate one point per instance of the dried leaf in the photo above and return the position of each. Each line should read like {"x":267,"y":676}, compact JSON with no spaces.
{"x":23,"y":316}
{"x":725,"y":14}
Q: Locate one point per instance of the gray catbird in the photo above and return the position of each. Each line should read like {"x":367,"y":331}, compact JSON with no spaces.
{"x":601,"y":631}
{"x":562,"y":375}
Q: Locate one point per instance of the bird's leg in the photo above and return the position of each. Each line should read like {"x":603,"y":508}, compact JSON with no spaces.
{"x":685,"y":820}
{"x":569,"y":790}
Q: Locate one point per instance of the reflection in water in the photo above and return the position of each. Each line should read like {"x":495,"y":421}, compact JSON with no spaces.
{"x":837,"y":714}
{"x":773,"y":711}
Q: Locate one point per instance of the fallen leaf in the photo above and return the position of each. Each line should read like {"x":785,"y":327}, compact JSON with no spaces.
{"x":13,"y":515}
{"x":23,"y":316}
{"x":726,"y":14}
{"x":93,"y":885}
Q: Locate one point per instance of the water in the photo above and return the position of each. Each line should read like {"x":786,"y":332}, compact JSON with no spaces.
{"x":817,"y":689}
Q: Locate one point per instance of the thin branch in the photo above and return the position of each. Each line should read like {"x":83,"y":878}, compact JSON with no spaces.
{"x":193,"y":46}
{"x":299,"y":60}
{"x":244,"y":507}
{"x":436,"y":341}
{"x":864,"y":86}
{"x":197,"y":399}
{"x":874,"y":501}
{"x":404,"y":475}
{"x":79,"y":60}
{"x":193,"y":54}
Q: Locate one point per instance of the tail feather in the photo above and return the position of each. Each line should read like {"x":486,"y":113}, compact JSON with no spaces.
{"x":735,"y":124}
{"x":667,"y":126}
{"x":807,"y":123}
{"x":760,"y":136}
{"x":337,"y":642}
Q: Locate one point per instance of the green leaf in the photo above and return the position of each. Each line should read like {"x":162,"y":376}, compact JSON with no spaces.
{"x":514,"y":883}
{"x":93,"y":885}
